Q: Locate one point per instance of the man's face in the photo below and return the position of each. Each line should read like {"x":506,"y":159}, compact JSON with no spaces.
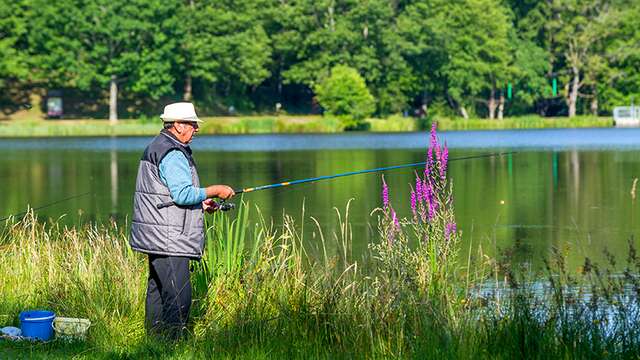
{"x":187,"y":130}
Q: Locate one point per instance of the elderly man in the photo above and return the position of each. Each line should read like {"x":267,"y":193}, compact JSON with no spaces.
{"x":167,"y":222}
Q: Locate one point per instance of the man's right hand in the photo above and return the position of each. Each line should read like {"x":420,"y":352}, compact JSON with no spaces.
{"x":220,"y":191}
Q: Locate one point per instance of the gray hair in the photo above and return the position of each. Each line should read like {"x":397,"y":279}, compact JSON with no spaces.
{"x":168,"y":125}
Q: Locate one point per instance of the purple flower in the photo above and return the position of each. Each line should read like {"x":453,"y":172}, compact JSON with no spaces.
{"x":391,"y":234}
{"x":385,"y":194}
{"x":449,"y":229}
{"x":413,"y":203}
{"x":396,"y":222}
{"x":443,"y":162}
{"x":434,"y":139}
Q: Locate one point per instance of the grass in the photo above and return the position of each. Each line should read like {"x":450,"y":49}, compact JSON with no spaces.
{"x":281,"y":124}
{"x":285,"y":299}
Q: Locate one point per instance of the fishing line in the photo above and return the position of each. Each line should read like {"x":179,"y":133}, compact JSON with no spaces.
{"x":327,"y":177}
{"x":46,"y":205}
{"x":229,"y":206}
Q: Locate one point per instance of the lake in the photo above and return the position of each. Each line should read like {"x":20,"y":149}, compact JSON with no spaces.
{"x":569,"y":188}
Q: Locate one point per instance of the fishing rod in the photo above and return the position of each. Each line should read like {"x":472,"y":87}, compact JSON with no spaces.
{"x":47,"y":205}
{"x":228,"y":206}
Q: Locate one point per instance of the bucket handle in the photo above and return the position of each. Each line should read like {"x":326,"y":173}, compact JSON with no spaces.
{"x":40,"y":318}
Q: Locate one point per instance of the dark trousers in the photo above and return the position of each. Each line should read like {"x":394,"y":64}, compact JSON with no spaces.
{"x":168,"y":295}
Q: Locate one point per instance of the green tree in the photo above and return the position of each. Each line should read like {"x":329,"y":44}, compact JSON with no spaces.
{"x":225,"y":44}
{"x":576,"y":36}
{"x":465,"y":45}
{"x":315,"y":36}
{"x":620,"y":83}
{"x":128,"y":45}
{"x":531,"y":64}
{"x":582,"y":30}
{"x":344,"y":94}
{"x":14,"y":67}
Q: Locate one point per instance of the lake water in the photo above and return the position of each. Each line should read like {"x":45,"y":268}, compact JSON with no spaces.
{"x":567,"y":188}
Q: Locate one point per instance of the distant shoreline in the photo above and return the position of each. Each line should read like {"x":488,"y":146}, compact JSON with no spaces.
{"x":283,"y":124}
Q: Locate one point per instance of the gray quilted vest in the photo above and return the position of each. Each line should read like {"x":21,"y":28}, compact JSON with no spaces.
{"x":174,"y":230}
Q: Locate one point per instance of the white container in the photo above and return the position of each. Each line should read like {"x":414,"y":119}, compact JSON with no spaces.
{"x":71,"y":328}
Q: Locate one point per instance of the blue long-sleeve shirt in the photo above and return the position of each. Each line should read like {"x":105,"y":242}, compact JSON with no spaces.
{"x":176,"y":174}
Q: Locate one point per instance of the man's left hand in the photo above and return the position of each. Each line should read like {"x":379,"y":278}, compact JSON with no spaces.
{"x":209,"y":206}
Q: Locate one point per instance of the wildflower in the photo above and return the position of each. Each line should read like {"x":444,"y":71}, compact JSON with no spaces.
{"x":443,"y":162}
{"x":430,"y":197}
{"x":449,"y":229}
{"x":385,"y":194}
{"x":413,"y":204}
{"x":434,"y":139}
{"x":396,"y":222}
{"x":419,"y":188}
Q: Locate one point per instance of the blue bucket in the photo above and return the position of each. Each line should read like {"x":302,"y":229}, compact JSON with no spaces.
{"x":37,"y":324}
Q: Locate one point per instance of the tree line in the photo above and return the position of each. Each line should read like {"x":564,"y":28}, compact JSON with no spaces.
{"x":488,"y":58}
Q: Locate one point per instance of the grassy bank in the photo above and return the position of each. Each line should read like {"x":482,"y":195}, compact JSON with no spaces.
{"x":282,"y":124}
{"x":282,"y":300}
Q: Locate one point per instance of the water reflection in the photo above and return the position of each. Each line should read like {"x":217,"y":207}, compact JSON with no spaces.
{"x":523,"y":203}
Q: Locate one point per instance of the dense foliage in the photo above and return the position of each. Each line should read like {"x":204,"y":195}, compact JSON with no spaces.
{"x":485,"y":58}
{"x":345,"y":94}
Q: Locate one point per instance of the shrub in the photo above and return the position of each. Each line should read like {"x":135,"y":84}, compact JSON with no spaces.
{"x":344,"y":94}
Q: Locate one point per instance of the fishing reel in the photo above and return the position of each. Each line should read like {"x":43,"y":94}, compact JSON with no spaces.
{"x":217,"y":205}
{"x":222,"y":205}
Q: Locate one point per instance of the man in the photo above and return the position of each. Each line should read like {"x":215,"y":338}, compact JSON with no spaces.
{"x":171,"y":235}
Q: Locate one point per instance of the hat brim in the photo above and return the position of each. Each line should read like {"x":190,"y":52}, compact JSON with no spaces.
{"x":187,"y":119}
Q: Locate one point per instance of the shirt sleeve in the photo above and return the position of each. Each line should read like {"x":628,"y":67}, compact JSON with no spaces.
{"x":176,"y":174}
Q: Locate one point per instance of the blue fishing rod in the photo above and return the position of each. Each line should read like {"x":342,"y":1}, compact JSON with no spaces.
{"x":224,"y":206}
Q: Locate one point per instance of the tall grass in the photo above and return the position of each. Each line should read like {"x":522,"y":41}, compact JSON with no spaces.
{"x":286,"y":298}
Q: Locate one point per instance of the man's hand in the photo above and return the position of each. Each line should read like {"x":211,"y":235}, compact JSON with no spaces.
{"x":220,"y":191}
{"x":209,"y":206}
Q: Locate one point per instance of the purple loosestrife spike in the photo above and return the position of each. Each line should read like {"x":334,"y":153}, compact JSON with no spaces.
{"x":450,"y":229}
{"x":396,"y":222}
{"x":395,"y":228}
{"x":434,"y":139}
{"x":425,"y":188}
{"x":431,"y":200}
{"x":385,"y":194}
{"x":413,"y":204}
{"x":443,"y":163}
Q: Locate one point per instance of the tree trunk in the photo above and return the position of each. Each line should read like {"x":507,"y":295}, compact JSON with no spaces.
{"x":332,"y":23}
{"x":594,"y":103}
{"x":501,"y":107}
{"x":464,"y":113}
{"x":187,"y":88}
{"x":492,"y":105}
{"x":573,"y":95}
{"x":113,"y":101}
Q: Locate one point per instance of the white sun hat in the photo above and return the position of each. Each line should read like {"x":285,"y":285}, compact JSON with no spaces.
{"x":181,"y":111}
